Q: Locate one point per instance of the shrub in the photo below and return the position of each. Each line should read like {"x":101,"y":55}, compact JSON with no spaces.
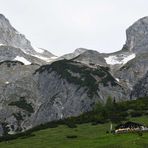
{"x":72,"y":136}
{"x":140,"y":134}
{"x":71,"y":125}
{"x":22,"y":103}
{"x":136,"y":113}
{"x":97,"y":122}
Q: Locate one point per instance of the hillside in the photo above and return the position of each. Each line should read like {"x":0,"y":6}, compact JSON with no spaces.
{"x":93,"y":126}
{"x":85,"y":135}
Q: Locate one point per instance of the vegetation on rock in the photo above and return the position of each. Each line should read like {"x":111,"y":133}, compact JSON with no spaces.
{"x":23,"y":104}
{"x":82,"y":75}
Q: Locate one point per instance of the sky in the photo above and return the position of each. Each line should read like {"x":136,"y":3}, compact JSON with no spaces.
{"x":61,"y":26}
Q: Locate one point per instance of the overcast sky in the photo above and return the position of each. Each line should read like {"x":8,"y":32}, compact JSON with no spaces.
{"x":61,"y":26}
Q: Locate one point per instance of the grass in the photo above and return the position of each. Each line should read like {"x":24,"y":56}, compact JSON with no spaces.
{"x":84,"y":136}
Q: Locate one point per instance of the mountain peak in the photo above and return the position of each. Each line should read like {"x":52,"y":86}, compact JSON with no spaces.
{"x":80,"y":50}
{"x":2,"y":16}
{"x":9,"y":36}
{"x":137,"y":35}
{"x":4,"y":22}
{"x":15,"y":42}
{"x":144,"y":19}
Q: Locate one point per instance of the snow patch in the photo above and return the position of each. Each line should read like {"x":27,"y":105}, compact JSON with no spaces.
{"x":39,"y":50}
{"x":7,"y":82}
{"x":54,"y":57}
{"x":40,"y":56}
{"x":117,"y":79}
{"x":128,"y":58}
{"x":45,"y":58}
{"x":120,"y":59}
{"x":2,"y":44}
{"x":23,"y":60}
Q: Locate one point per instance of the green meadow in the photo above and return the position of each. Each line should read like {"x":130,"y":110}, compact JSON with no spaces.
{"x":83,"y":136}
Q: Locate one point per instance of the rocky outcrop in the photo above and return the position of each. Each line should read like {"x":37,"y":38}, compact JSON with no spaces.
{"x":136,"y":44}
{"x":76,"y":53}
{"x":141,"y":88}
{"x":11,"y":39}
{"x":137,"y":35}
{"x":92,"y":58}
{"x":130,"y":73}
{"x":18,"y":92}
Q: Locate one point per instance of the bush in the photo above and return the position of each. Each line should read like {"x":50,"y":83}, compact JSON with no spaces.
{"x":136,"y":113}
{"x":72,"y":136}
{"x":22,"y":103}
{"x":12,"y":137}
{"x":71,"y":125}
{"x":97,"y":122}
{"x":140,"y":134}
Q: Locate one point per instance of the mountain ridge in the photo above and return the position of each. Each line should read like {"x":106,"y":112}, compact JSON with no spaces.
{"x":37,"y":87}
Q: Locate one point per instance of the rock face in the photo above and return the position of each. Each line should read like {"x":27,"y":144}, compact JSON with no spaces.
{"x":70,"y":88}
{"x":31,"y":95}
{"x":34,"y":90}
{"x":131,"y":63}
{"x":137,"y":43}
{"x":91,"y":57}
{"x":133,"y":71}
{"x":76,"y":53}
{"x":16,"y":54}
{"x":11,"y":37}
{"x":141,"y":88}
{"x":137,"y":36}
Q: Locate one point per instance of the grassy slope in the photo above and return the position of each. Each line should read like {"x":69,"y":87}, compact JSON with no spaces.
{"x":89,"y":136}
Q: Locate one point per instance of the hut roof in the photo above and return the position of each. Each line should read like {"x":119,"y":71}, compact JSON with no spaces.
{"x":129,"y":125}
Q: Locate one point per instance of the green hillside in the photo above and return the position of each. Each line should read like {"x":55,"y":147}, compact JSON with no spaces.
{"x":83,"y":136}
{"x":89,"y":130}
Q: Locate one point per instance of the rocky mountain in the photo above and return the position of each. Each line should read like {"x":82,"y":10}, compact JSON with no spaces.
{"x":137,"y":44}
{"x":9,"y":36}
{"x":31,"y":95}
{"x":137,"y":35}
{"x":129,"y":65}
{"x":15,"y":46}
{"x":34,"y":90}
